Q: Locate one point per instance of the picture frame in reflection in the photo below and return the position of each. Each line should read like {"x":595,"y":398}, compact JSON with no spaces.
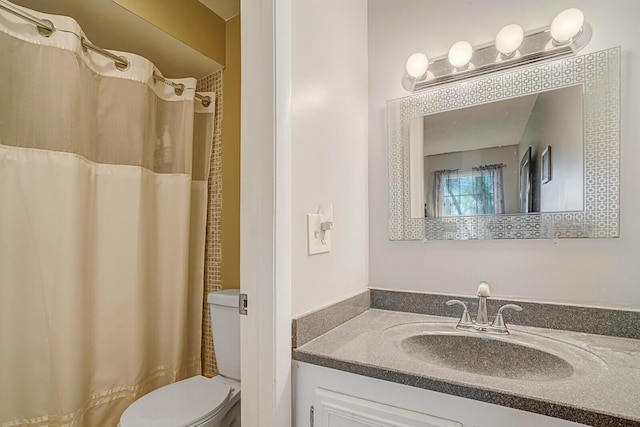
{"x":545,"y":165}
{"x":525,"y":182}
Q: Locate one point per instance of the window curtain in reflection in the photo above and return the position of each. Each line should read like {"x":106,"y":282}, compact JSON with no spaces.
{"x":475,"y":192}
{"x":491,"y":188}
{"x":103,"y":189}
{"x":441,"y":204}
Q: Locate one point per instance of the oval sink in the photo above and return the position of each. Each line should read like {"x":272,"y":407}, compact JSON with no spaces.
{"x":486,"y":355}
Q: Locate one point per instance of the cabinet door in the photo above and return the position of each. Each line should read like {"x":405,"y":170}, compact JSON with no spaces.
{"x":333,"y":409}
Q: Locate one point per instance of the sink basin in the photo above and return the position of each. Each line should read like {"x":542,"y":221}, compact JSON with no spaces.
{"x":486,"y":355}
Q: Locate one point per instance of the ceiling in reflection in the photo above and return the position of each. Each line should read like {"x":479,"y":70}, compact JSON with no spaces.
{"x":488,"y":125}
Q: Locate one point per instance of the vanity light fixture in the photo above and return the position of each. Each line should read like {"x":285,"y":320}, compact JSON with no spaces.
{"x":417,"y":65}
{"x":508,"y":41}
{"x":460,"y":54}
{"x":567,"y":34}
{"x":566,"y":25}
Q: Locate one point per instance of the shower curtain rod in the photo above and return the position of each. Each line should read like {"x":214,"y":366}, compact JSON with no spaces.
{"x":46,"y":28}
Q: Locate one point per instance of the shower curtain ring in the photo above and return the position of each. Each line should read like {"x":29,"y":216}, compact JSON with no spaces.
{"x":46,"y":31}
{"x":123,"y":65}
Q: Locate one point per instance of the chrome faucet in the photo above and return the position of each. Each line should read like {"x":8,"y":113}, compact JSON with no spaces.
{"x":481,"y":323}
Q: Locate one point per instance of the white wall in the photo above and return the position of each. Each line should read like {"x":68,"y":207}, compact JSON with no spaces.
{"x":561,"y":127}
{"x":330,"y":147}
{"x":599,"y":272}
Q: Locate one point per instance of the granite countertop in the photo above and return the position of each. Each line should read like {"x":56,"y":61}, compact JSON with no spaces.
{"x":602,"y":391}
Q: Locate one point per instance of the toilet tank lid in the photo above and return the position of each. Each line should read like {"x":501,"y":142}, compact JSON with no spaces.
{"x":226,"y":297}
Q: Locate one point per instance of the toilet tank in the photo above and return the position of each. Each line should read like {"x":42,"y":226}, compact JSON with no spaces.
{"x":225,"y":327}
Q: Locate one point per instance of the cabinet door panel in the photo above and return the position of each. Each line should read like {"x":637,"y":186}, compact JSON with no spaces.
{"x":340,"y":410}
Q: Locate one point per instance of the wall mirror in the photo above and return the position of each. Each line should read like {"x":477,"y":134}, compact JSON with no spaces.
{"x":526,"y":154}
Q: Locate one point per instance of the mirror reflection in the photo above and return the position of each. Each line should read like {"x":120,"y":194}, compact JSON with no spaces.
{"x":519,"y":155}
{"x":563,"y":157}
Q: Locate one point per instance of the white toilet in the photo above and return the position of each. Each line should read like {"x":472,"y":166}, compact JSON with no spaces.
{"x":199,"y":401}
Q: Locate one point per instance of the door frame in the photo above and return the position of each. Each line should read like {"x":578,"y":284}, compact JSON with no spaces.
{"x":265,"y":212}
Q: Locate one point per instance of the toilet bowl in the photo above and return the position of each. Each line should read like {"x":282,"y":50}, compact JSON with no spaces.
{"x":199,"y":401}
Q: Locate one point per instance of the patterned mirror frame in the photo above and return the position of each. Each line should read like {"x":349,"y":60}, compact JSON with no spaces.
{"x":599,"y":74}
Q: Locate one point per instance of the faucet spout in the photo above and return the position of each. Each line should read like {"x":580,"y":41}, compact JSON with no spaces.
{"x":481,"y":323}
{"x":483,"y":290}
{"x":482,"y":319}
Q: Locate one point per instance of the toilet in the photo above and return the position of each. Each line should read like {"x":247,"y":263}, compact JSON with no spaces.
{"x":199,"y":401}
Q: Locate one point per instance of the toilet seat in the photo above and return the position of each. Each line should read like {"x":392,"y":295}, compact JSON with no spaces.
{"x":184,"y":403}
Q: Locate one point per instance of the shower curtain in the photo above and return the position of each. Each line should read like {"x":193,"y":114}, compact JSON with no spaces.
{"x":102,"y":228}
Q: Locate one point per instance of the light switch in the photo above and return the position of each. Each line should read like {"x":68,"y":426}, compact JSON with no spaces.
{"x":315,"y":242}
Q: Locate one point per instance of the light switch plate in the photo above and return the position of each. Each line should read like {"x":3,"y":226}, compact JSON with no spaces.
{"x":314,"y":236}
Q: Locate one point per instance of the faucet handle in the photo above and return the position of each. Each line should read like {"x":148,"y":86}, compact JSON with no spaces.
{"x":466,"y":317}
{"x":511,"y":306}
{"x":498,"y":322}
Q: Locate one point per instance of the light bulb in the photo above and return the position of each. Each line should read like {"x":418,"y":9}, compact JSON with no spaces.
{"x":417,"y":65}
{"x":509,"y":39}
{"x":566,"y":25}
{"x":460,"y":54}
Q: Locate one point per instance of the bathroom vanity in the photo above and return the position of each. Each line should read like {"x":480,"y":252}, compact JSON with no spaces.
{"x":338,"y":397}
{"x":418,"y":369}
{"x":471,"y":159}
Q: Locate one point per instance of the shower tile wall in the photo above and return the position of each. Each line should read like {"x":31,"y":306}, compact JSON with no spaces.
{"x":213,"y":251}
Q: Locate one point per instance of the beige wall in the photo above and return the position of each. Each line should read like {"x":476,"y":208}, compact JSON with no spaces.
{"x":113,"y":26}
{"x":231,"y":159}
{"x":189,"y":21}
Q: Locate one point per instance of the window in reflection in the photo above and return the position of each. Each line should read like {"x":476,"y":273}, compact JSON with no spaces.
{"x":475,"y":192}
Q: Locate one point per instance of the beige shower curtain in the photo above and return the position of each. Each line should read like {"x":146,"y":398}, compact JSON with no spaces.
{"x":102,"y":228}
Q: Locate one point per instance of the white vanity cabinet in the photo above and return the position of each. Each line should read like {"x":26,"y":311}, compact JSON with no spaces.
{"x":333,"y":409}
{"x":342,"y":399}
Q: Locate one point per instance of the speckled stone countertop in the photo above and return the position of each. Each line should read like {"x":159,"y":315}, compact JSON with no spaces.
{"x":604,"y":389}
